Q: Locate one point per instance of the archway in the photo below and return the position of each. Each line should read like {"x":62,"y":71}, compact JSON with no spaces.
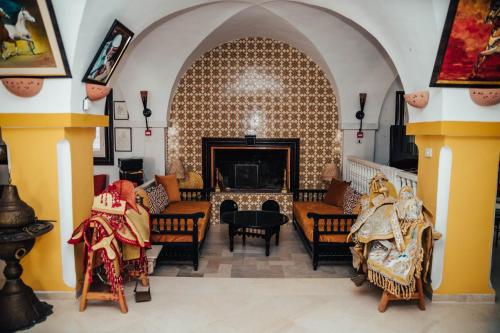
{"x":262,"y":87}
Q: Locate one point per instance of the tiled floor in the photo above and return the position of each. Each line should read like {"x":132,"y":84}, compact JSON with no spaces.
{"x":288,"y":260}
{"x":268,"y":305}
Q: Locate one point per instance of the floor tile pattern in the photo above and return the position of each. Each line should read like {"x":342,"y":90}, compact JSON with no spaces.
{"x":288,"y":260}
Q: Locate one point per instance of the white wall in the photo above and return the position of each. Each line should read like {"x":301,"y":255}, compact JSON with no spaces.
{"x":386,"y":119}
{"x":352,"y":60}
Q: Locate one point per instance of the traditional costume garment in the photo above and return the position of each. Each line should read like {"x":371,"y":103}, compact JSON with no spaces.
{"x":122,"y":233}
{"x":389,"y":236}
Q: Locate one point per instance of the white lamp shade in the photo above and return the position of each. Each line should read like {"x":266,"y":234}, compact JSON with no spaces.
{"x":177,"y":168}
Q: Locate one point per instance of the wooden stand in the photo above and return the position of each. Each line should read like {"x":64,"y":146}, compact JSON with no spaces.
{"x":418,"y":294}
{"x":98,"y":295}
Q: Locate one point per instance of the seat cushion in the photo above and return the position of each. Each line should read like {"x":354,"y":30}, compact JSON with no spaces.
{"x":184,"y":207}
{"x":300,"y":210}
{"x":171,"y":186}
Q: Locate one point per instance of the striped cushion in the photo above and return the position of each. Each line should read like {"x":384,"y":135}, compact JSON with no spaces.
{"x":158,"y":198}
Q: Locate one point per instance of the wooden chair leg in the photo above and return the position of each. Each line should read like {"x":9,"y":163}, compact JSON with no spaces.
{"x":122,"y":302}
{"x":87,"y":276}
{"x":421,"y":296}
{"x":384,"y":302}
{"x":144,"y":280}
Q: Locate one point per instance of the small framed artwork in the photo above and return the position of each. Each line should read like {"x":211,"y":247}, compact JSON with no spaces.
{"x":123,"y":139}
{"x":468,"y":54}
{"x":120,"y":110}
{"x":109,"y":54}
{"x":30,"y":43}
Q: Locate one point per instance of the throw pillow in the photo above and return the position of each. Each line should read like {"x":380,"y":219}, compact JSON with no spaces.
{"x":140,"y":192}
{"x":351,"y":200}
{"x":158,"y":199}
{"x":171,"y":186}
{"x":335,"y":194}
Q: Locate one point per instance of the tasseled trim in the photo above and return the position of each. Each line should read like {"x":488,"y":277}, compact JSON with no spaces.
{"x":391,"y":286}
{"x":395,"y":288}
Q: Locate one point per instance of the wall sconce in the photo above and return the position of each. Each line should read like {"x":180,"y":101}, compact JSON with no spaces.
{"x":361,"y":114}
{"x":146,"y":112}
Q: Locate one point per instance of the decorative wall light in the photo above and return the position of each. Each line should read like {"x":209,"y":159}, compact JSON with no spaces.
{"x":96,"y":92}
{"x":418,"y":99}
{"x":485,"y":97}
{"x":146,"y":112}
{"x":23,"y":87}
{"x":360,"y":115}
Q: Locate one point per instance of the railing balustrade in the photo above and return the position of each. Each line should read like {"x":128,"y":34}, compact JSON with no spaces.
{"x":359,"y":173}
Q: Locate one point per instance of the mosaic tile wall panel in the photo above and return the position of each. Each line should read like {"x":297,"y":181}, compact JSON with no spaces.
{"x":256,"y":86}
{"x":251,"y":201}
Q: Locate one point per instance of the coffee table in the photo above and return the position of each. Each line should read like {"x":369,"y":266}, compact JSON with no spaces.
{"x":260,"y":223}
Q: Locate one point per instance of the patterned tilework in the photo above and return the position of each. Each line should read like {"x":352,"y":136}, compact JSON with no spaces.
{"x":251,"y":201}
{"x":256,"y":86}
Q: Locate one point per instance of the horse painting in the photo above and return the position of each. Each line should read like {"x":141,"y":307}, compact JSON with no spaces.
{"x":18,"y":32}
{"x":30,"y":42}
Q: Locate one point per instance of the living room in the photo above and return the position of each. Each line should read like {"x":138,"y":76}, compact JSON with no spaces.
{"x":256,"y":165}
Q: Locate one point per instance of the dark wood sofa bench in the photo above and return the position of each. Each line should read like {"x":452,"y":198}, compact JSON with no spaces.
{"x":323,"y":228}
{"x":182,"y":227}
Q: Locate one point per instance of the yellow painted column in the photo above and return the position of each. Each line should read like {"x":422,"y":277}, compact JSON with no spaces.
{"x":32,"y":140}
{"x":475,"y":151}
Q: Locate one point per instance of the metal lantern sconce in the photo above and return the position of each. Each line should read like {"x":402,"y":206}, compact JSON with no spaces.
{"x":360,"y":115}
{"x":146,"y":112}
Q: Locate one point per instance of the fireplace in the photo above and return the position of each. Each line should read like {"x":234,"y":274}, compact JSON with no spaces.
{"x":251,"y":165}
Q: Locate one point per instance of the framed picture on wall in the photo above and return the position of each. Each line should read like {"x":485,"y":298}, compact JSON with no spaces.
{"x":120,"y":110}
{"x":123,"y":139}
{"x":30,"y":43}
{"x":468,"y":54}
{"x":109,"y":54}
{"x":103,"y":142}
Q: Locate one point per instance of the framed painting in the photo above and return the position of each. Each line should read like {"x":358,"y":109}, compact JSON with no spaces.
{"x":30,"y":43}
{"x":120,"y":110}
{"x":469,"y":51}
{"x":109,"y":54}
{"x":123,"y":139}
{"x":103,"y":142}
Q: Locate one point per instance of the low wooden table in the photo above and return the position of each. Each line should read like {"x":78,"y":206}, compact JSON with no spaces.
{"x":254,"y":223}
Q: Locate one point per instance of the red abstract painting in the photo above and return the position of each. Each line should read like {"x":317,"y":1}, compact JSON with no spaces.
{"x":469,"y":53}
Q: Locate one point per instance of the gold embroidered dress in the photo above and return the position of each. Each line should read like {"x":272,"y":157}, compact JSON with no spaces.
{"x":389,"y":234}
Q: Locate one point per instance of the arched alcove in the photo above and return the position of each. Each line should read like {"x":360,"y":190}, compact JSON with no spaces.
{"x":256,"y":86}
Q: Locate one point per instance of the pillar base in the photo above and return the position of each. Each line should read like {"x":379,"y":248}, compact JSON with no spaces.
{"x":464,"y":298}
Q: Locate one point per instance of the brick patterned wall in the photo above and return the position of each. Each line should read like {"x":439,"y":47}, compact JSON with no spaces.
{"x":256,"y":86}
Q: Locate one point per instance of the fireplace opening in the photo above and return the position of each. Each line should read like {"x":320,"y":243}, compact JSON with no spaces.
{"x":251,"y":168}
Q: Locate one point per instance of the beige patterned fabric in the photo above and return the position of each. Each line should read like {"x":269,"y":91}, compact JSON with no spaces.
{"x":256,"y":86}
{"x":389,"y":238}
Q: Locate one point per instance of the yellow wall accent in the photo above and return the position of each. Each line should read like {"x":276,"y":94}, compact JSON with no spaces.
{"x":33,"y":164}
{"x":52,"y":120}
{"x":455,"y":128}
{"x":475,"y":150}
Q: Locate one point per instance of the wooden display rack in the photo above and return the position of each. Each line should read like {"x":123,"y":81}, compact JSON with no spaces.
{"x":98,"y":295}
{"x":418,"y":295}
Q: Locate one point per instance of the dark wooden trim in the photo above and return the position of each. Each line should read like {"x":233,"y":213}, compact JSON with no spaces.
{"x":109,"y":148}
{"x":293,"y":144}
